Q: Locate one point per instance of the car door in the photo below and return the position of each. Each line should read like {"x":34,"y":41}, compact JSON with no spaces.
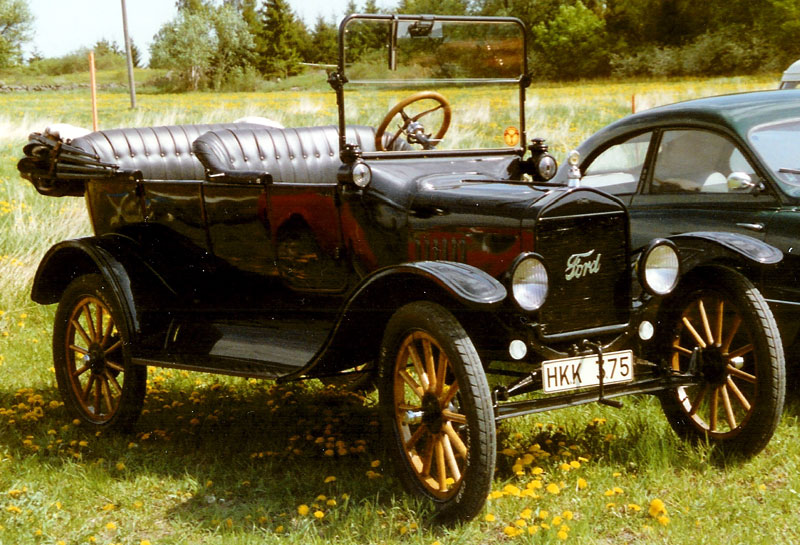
{"x":307,"y":234}
{"x":685,"y":189}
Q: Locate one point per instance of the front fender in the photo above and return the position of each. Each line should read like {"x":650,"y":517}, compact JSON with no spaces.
{"x":130,"y":280}
{"x":357,"y":335}
{"x":709,"y":247}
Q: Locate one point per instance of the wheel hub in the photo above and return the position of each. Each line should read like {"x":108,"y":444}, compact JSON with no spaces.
{"x":96,"y":359}
{"x":714,"y":365}
{"x":432,"y":413}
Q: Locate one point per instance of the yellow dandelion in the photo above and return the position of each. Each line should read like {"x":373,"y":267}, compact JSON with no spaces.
{"x":537,"y":470}
{"x":303,"y":510}
{"x":562,"y":535}
{"x":553,"y":488}
{"x":543,"y":514}
{"x":608,"y":492}
{"x":109,"y":507}
{"x":663,"y":520}
{"x":657,"y":508}
{"x":526,"y":513}
{"x":375,"y":463}
{"x":567,"y":515}
{"x":633,"y":507}
{"x":512,"y":531}
{"x":330,"y":479}
{"x":489,"y":517}
{"x":144,"y":542}
{"x":511,"y":490}
{"x":318,"y":514}
{"x":582,"y":483}
{"x":111,"y":526}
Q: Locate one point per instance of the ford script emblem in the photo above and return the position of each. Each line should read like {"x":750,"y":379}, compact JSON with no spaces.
{"x":579,"y":265}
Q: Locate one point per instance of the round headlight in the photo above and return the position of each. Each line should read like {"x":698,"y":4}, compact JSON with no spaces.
{"x":362,"y":175}
{"x":529,"y":282}
{"x":659,"y":267}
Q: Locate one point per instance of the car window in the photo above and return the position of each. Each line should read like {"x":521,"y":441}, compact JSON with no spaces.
{"x":696,"y":161}
{"x":617,"y":169}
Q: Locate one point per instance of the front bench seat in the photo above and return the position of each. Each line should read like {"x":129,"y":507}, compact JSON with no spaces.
{"x":292,"y":155}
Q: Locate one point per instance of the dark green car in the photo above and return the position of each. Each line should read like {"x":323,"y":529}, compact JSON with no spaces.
{"x":728,"y":163}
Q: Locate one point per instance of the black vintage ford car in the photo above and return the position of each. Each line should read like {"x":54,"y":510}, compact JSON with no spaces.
{"x":422,"y":256}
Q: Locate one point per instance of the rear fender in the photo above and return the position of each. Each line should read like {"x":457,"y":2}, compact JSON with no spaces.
{"x":466,"y":291}
{"x":114,"y":257}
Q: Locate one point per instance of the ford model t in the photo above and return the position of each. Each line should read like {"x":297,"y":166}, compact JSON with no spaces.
{"x":417,"y":247}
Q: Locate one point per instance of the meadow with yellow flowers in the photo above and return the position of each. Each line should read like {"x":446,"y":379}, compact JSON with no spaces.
{"x":217,"y":460}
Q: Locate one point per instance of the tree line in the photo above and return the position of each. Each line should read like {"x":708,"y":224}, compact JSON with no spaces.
{"x":236,"y":44}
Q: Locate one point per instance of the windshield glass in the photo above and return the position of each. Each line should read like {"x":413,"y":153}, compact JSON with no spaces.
{"x":778,"y":144}
{"x":446,"y":84}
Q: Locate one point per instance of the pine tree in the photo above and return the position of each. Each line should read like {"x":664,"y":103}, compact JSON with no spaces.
{"x":278,"y":41}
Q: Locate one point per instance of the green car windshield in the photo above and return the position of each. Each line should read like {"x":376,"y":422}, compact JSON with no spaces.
{"x":778,"y":144}
{"x":474,"y":66}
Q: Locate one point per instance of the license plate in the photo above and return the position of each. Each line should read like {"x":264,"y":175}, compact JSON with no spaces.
{"x":583,"y":371}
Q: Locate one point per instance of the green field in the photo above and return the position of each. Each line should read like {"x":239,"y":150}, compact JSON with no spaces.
{"x":220,"y":460}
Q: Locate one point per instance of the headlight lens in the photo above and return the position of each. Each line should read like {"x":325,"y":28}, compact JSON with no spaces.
{"x":529,"y":282}
{"x":659,"y":267}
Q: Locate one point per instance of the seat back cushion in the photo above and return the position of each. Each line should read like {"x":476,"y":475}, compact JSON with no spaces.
{"x":160,"y":153}
{"x":293,"y":155}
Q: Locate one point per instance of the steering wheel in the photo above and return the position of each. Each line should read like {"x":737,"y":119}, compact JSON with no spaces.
{"x":414,"y":130}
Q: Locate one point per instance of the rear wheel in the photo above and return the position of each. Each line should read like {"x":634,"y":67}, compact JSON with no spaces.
{"x":722,"y":330}
{"x":97,"y":381}
{"x":436,"y":405}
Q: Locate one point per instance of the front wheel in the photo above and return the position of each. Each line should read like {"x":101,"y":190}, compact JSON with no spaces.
{"x":95,"y":376}
{"x":721,"y":329}
{"x":436,"y":405}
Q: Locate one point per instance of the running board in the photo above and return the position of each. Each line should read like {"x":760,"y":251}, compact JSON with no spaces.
{"x":269,"y":348}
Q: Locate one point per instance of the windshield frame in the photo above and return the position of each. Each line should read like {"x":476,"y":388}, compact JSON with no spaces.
{"x":338,"y":81}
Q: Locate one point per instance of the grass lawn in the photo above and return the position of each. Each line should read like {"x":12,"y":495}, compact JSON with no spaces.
{"x":218,"y":460}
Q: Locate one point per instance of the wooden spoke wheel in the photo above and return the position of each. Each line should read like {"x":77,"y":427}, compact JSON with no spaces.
{"x":95,"y":377}
{"x":724,"y":332}
{"x":436,"y":402}
{"x":407,"y":120}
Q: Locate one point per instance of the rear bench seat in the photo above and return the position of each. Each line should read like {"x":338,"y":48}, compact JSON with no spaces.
{"x":292,"y":155}
{"x":160,"y":153}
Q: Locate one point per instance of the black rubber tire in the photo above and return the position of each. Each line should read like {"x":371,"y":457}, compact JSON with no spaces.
{"x":743,"y":369}
{"x":109,"y":392}
{"x":452,"y":429}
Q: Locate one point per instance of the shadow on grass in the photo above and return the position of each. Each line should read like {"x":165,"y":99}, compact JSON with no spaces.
{"x":236,"y":452}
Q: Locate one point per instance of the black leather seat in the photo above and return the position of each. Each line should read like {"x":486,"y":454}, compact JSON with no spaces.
{"x":292,"y":155}
{"x":160,"y":153}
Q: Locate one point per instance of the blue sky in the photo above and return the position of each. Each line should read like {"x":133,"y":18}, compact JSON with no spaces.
{"x":62,"y":26}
